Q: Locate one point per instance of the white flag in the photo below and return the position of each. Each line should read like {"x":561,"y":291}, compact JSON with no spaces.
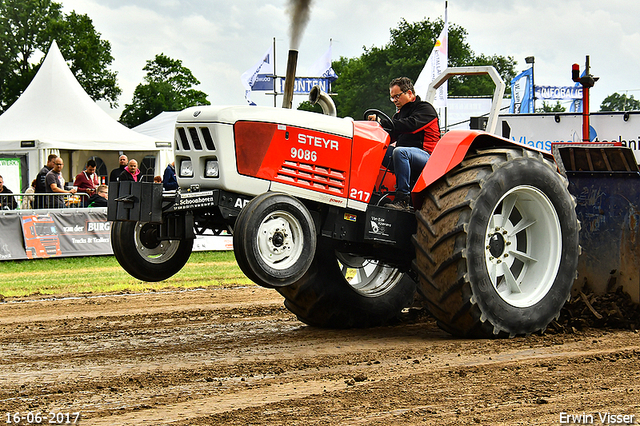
{"x":259,"y":76}
{"x":322,"y":67}
{"x":437,"y":62}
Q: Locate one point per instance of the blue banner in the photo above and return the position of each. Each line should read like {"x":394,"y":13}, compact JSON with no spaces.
{"x":263,"y":82}
{"x":522,"y":93}
{"x":559,"y":92}
{"x":303,"y":85}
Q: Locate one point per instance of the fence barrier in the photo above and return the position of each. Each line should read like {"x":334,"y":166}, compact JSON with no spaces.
{"x":32,"y":201}
{"x":68,"y":232}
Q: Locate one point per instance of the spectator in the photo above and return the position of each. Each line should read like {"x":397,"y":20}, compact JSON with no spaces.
{"x":28,"y":200}
{"x":41,"y":201}
{"x":7,"y":202}
{"x":99,"y":199}
{"x":169,"y":181}
{"x":87,"y":181}
{"x":55,"y":184}
{"x":115,"y":173}
{"x":157,"y":179}
{"x":131,"y":172}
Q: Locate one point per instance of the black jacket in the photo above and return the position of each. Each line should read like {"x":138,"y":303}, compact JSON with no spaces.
{"x":97,"y":201}
{"x":41,"y":185}
{"x":416,"y":124}
{"x":115,"y":174}
{"x":7,"y":202}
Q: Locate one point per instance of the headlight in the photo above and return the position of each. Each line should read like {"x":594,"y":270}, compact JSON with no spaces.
{"x":212,"y":170}
{"x":186,"y":168}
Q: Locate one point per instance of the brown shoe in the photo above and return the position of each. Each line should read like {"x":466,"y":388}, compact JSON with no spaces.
{"x":400,"y":203}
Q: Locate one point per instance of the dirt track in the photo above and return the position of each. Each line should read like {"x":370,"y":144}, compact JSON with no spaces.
{"x":237,"y":356}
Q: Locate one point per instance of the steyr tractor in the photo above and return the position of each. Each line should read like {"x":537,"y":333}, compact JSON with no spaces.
{"x":491,"y":248}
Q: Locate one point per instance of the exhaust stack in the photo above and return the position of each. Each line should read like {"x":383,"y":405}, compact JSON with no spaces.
{"x":317,"y":96}
{"x":290,"y":79}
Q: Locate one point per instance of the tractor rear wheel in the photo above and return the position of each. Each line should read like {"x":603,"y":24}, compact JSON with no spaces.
{"x":497,"y":244}
{"x":344,"y":290}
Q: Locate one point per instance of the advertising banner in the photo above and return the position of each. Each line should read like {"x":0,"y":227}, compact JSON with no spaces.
{"x":437,"y":62}
{"x":303,"y":85}
{"x":539,"y":131}
{"x":522,"y":93}
{"x":11,"y":246}
{"x":561,"y":93}
{"x":11,"y":173}
{"x":41,"y":234}
{"x":33,"y":234}
{"x":258,"y":77}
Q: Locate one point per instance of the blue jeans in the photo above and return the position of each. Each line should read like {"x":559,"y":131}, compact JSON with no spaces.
{"x":406,"y":163}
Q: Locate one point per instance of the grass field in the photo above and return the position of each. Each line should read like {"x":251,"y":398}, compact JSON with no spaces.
{"x":103,"y":274}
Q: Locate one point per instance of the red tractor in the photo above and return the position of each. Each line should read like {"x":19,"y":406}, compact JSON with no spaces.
{"x":491,"y":249}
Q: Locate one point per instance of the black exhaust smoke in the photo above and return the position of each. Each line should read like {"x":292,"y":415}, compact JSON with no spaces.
{"x":299,"y":11}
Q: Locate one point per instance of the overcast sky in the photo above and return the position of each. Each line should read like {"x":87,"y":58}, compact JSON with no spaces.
{"x":218,"y":39}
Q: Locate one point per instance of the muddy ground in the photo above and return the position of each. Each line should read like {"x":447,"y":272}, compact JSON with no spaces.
{"x":237,"y":356}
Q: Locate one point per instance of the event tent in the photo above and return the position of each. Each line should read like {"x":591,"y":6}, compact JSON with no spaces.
{"x":161,"y":127}
{"x":55,"y":114}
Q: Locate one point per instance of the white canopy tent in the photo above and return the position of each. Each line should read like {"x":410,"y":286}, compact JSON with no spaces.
{"x":55,"y":114}
{"x":161,"y":127}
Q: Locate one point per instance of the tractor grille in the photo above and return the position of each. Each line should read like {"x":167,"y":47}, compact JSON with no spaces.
{"x":192,"y":138}
{"x":313,"y":177}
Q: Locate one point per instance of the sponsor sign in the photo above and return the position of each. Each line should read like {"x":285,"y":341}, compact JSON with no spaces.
{"x":83,"y":232}
{"x":194,"y":200}
{"x":558,"y":92}
{"x":303,"y":85}
{"x":539,"y":131}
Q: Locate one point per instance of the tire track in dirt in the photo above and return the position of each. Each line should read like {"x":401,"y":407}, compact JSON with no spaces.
{"x":231,"y":356}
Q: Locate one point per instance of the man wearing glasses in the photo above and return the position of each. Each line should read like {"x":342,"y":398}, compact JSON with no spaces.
{"x":55,"y":184}
{"x":415,"y":131}
{"x":99,"y":199}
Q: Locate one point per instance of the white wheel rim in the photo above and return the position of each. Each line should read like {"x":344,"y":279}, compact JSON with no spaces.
{"x":523,"y":246}
{"x":158,"y":254}
{"x":280,"y":240}
{"x":368,"y":277}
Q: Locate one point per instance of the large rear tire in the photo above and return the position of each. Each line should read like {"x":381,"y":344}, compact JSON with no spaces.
{"x":343,"y":290}
{"x":497,"y":244}
{"x":138,"y":250}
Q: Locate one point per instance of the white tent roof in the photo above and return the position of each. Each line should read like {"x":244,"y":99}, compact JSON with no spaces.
{"x":161,"y":127}
{"x":56,"y":112}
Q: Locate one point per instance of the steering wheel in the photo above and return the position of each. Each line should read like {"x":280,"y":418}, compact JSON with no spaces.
{"x":382,"y":118}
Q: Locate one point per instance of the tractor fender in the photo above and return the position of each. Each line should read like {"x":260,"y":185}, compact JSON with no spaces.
{"x":449,"y":152}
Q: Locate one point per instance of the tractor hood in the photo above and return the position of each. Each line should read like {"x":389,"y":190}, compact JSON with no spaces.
{"x":288,"y":117}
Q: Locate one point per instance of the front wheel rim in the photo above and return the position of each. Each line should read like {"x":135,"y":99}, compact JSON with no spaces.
{"x":523,"y":246}
{"x":280,"y":240}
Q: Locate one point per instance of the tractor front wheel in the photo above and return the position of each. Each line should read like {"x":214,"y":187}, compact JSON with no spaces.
{"x":274,"y":239}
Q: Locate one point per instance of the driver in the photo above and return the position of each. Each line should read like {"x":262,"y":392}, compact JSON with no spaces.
{"x":415,"y":131}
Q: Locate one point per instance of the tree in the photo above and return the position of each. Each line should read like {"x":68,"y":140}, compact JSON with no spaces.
{"x":89,"y":56}
{"x":363,"y":81}
{"x":168,"y":87}
{"x":551,"y":108}
{"x":28,"y":27}
{"x":618,"y":102}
